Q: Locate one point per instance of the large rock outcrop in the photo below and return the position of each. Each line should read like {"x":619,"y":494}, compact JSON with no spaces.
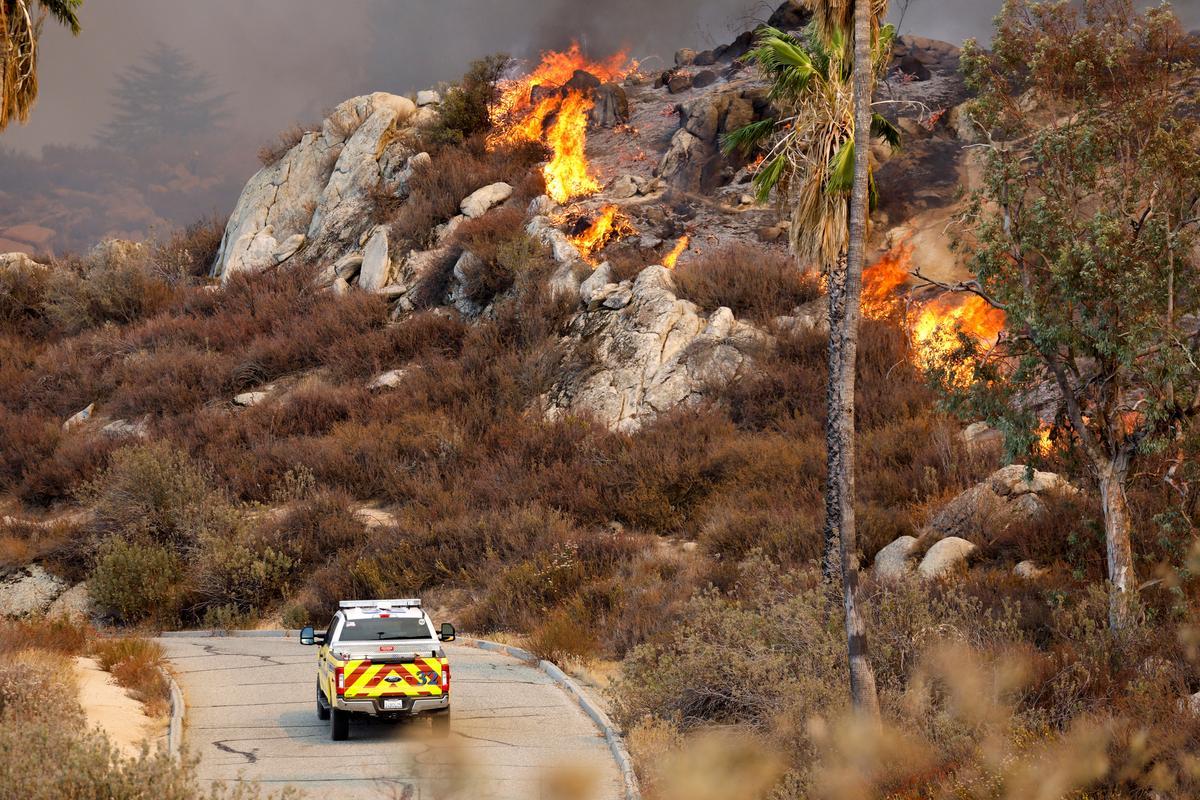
{"x":1010,"y":496}
{"x":694,"y":160}
{"x":29,"y":591}
{"x":648,"y":352}
{"x":317,"y":198}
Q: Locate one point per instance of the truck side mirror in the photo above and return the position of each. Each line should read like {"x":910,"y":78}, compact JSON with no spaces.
{"x":447,"y":634}
{"x":308,"y":636}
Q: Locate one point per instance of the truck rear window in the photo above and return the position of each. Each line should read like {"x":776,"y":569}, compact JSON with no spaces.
{"x":382,"y":630}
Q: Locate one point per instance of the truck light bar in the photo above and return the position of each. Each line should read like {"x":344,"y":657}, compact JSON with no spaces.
{"x":380,"y":604}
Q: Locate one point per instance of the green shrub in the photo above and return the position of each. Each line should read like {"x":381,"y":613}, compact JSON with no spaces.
{"x":138,"y":581}
{"x":156,"y":492}
{"x":240,"y":578}
{"x":465,"y":107}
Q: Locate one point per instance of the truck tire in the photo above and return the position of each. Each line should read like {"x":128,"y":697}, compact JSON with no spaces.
{"x":441,"y":725}
{"x":339,"y":728}
{"x":322,"y":709}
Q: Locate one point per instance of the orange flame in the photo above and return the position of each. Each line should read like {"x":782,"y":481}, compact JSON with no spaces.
{"x":1044,"y":444}
{"x":610,"y":225}
{"x":936,"y":324}
{"x":555,"y":69}
{"x":673,"y":257}
{"x":517,"y":118}
{"x":883,"y":280}
{"x":568,"y":174}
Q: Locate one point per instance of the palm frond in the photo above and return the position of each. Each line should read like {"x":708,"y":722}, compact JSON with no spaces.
{"x":65,"y":12}
{"x":881,"y":128}
{"x":19,"y":32}
{"x":748,"y":137}
{"x":769,"y":175}
{"x":841,"y":170}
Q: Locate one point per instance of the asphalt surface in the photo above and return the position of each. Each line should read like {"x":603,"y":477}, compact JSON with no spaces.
{"x":251,"y":715}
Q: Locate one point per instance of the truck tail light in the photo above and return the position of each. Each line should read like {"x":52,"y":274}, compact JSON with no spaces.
{"x":339,"y":677}
{"x":445,"y":677}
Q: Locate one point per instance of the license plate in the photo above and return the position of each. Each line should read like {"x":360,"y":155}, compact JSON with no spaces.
{"x":393,"y":704}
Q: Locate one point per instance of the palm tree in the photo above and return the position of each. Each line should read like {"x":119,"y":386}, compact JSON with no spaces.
{"x":818,"y":160}
{"x":20,"y":28}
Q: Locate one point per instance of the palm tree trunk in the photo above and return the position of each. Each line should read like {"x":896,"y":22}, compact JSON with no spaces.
{"x":845,"y":293}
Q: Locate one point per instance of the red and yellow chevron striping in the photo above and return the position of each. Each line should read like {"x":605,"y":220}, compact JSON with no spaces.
{"x":420,"y":678}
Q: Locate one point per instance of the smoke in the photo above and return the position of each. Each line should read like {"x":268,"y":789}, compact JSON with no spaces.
{"x":288,"y":60}
{"x":285,"y":61}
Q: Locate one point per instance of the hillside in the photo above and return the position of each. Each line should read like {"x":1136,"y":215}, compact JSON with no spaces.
{"x":557,"y":372}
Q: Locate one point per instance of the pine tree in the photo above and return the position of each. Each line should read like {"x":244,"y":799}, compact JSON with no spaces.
{"x":163,"y":98}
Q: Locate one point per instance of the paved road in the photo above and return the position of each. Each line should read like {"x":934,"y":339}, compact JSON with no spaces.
{"x":251,"y":715}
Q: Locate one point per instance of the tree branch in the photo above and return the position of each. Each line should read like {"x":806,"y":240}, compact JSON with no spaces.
{"x":971,"y":287}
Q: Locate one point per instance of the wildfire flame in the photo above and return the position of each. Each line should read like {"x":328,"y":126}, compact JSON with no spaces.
{"x":568,"y":174}
{"x":518,"y":118}
{"x":673,"y":257}
{"x":883,"y":280}
{"x":610,"y":225}
{"x":555,"y":69}
{"x":934,"y":325}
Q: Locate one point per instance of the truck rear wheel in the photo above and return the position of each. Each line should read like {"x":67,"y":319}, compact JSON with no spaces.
{"x":339,"y":728}
{"x":441,"y":725}
{"x":322,"y":709}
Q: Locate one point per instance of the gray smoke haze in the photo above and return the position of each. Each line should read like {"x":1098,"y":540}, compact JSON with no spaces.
{"x":277,"y":62}
{"x":288,"y":60}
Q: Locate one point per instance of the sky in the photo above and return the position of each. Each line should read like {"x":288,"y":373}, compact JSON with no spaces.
{"x":285,"y":61}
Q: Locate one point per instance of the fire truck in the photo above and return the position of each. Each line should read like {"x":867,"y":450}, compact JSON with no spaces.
{"x":381,"y":658}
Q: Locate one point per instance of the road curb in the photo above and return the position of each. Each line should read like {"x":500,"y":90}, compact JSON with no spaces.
{"x":612,"y":735}
{"x":599,"y":718}
{"x":175,"y":724}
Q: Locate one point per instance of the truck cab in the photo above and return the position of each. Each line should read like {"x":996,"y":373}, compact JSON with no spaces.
{"x":381,"y":658}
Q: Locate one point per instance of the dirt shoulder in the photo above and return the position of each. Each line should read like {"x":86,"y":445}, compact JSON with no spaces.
{"x":111,"y":708}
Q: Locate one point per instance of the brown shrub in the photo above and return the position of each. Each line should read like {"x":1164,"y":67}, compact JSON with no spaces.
{"x":437,"y":188}
{"x":189,"y":253}
{"x":118,"y":289}
{"x":627,"y":261}
{"x":273,"y":152}
{"x":23,"y":294}
{"x":503,"y":252}
{"x":173,"y":380}
{"x":420,"y":335}
{"x":29,"y":439}
{"x":564,"y":633}
{"x":56,"y":478}
{"x":754,"y":282}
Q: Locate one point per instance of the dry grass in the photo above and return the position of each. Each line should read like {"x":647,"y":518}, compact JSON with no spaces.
{"x":137,"y":664}
{"x":62,"y":636}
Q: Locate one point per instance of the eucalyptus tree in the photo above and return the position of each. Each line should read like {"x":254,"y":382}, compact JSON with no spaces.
{"x":1085,"y":234}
